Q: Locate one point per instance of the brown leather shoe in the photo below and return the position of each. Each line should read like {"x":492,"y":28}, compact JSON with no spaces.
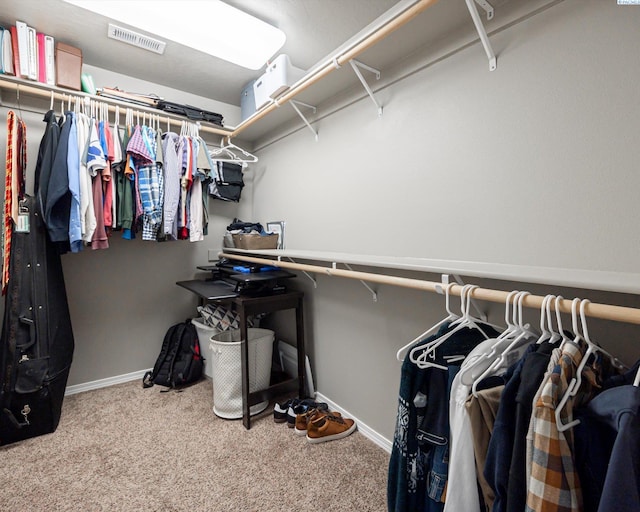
{"x":329,"y":427}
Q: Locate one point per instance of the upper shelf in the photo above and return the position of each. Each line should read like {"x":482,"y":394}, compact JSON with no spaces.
{"x":587,"y":279}
{"x":38,"y":89}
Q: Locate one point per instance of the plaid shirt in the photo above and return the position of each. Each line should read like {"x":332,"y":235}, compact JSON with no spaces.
{"x":554,"y":485}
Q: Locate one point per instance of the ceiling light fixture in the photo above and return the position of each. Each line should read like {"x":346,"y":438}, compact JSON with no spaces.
{"x":210,"y":26}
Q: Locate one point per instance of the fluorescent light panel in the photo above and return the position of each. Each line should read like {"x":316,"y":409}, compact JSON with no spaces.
{"x":210,"y":26}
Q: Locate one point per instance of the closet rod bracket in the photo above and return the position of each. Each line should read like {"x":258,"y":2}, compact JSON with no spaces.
{"x":488,"y":8}
{"x":355,"y":65}
{"x":473,"y":11}
{"x":309,"y":276}
{"x":365,"y":284}
{"x":294,"y":104}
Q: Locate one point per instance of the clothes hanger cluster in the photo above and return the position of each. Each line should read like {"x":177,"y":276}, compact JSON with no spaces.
{"x":225,"y":153}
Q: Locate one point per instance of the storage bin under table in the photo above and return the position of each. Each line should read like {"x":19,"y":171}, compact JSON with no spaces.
{"x":247,"y":306}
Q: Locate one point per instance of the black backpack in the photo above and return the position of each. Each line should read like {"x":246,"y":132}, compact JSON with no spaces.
{"x":180,"y":361}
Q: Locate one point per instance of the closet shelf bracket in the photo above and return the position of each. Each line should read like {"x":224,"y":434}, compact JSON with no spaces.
{"x":294,"y":104}
{"x":473,"y":11}
{"x":365,"y":284}
{"x":309,"y":276}
{"x":356,"y":64}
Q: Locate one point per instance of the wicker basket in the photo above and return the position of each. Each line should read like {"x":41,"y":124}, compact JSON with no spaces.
{"x":255,"y":241}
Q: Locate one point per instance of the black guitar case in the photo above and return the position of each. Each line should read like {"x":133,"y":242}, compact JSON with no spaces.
{"x":36,"y":344}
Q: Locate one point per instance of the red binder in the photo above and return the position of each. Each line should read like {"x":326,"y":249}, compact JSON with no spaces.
{"x":16,"y":51}
{"x":42,"y":61}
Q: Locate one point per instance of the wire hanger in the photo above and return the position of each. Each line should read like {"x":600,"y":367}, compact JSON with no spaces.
{"x":400,"y":355}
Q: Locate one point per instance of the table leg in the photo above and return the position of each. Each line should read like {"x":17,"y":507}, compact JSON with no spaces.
{"x":300,"y":347}
{"x":244,"y":356}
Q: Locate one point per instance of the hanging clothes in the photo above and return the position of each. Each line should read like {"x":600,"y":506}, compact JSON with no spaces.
{"x":462,"y":467}
{"x":73,"y":169}
{"x":96,"y":163}
{"x":418,"y":466}
{"x":172,"y":147}
{"x":607,"y":446}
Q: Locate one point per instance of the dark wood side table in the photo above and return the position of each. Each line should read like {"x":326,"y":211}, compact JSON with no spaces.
{"x":246,"y":306}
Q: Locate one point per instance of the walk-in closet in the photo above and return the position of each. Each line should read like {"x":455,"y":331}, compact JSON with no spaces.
{"x":432,"y":204}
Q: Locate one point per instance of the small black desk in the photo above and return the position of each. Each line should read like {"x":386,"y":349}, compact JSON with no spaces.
{"x":246,"y":306}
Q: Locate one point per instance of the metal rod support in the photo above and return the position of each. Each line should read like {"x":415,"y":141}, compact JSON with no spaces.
{"x":486,"y":44}
{"x":355,"y":65}
{"x":366,"y":285}
{"x":295,"y":104}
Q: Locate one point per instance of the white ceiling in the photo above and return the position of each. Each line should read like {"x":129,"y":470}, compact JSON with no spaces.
{"x":314,"y":28}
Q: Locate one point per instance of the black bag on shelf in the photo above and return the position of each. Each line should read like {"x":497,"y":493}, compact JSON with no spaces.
{"x":193,"y":113}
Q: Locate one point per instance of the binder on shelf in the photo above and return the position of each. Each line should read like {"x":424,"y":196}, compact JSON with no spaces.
{"x":23,"y":48}
{"x":6,"y":52}
{"x":32,"y":53}
{"x":16,"y":51}
{"x":49,"y":59}
{"x":42,"y":63}
{"x":1,"y":49}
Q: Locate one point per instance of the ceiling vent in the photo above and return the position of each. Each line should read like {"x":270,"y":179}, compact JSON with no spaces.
{"x":136,"y":39}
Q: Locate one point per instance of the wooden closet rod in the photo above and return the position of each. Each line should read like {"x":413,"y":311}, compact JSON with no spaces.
{"x":594,"y":310}
{"x":348,"y":55}
{"x":42,"y":91}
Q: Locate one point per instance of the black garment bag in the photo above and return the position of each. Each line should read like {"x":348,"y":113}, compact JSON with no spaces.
{"x":36,"y":343}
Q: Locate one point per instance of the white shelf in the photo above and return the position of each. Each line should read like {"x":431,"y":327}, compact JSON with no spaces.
{"x":580,"y":278}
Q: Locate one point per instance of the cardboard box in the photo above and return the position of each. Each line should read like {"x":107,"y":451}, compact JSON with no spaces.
{"x":255,"y":241}
{"x":68,"y":66}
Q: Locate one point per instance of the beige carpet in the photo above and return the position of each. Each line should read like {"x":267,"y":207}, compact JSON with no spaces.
{"x":125,"y":448}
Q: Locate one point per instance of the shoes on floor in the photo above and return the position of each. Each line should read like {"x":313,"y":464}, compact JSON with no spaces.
{"x":302,"y":407}
{"x":329,"y":427}
{"x":284,"y":412}
{"x":302,"y":420}
{"x":280,"y":410}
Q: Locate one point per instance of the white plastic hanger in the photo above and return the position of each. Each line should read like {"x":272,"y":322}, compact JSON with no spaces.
{"x":425,"y":359}
{"x":400,"y":355}
{"x":215,"y":153}
{"x":576,"y":382}
{"x":472,"y":369}
{"x":521,"y":335}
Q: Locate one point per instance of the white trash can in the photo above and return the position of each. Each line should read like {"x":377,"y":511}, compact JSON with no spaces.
{"x":204,"y":337}
{"x":227,"y":370}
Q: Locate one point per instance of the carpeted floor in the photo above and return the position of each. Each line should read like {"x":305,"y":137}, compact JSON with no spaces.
{"x":125,"y":448}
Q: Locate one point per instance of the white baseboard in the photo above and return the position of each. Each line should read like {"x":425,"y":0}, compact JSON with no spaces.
{"x":364,"y":429}
{"x":103,"y":383}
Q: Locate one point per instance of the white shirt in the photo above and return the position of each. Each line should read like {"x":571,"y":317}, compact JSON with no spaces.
{"x":462,"y":494}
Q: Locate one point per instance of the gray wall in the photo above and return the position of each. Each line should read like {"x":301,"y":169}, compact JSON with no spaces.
{"x":532,"y":164}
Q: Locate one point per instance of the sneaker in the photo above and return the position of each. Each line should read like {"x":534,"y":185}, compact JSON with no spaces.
{"x":280,"y":410}
{"x":302,"y":407}
{"x":329,"y":428}
{"x":302,"y":420}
